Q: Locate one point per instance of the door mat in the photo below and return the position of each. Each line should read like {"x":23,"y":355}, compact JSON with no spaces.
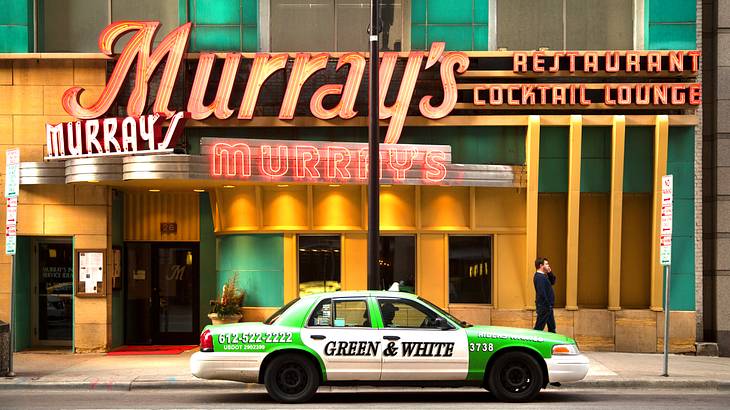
{"x":150,"y":350}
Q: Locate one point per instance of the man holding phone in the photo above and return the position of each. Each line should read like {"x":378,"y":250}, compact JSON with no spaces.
{"x":544,"y":295}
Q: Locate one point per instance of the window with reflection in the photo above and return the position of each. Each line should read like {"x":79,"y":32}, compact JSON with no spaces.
{"x":397,"y":260}
{"x":319,"y":264}
{"x":470,"y":269}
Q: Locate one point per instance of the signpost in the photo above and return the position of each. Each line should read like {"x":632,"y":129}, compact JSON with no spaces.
{"x":665,"y":256}
{"x":12,"y":186}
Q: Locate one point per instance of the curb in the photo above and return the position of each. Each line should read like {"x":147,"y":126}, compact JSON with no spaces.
{"x":719,"y":385}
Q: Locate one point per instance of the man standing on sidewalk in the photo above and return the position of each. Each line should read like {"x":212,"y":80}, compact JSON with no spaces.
{"x":544,"y":295}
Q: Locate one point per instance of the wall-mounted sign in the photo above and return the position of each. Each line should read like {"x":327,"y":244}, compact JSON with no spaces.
{"x":112,"y":136}
{"x":304,"y":80}
{"x":12,"y":171}
{"x":278,"y":161}
{"x":665,"y":231}
{"x":90,"y":270}
{"x":168,"y":227}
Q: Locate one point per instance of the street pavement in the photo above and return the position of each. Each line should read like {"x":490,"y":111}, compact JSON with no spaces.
{"x":49,"y":370}
{"x":370,"y":398}
{"x":64,"y":380}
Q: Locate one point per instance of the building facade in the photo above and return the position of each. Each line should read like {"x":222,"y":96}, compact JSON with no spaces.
{"x":522,"y":150}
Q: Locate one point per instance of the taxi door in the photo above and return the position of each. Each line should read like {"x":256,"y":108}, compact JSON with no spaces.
{"x":419,"y":344}
{"x":340,"y":331}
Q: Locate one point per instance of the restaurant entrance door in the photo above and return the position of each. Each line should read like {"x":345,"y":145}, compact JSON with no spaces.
{"x":162,"y":291}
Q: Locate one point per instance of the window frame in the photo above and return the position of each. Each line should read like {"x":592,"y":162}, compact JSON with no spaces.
{"x":333,"y":300}
{"x":637,"y":25}
{"x":338,"y":235}
{"x":377,"y":299}
{"x":415,"y":254}
{"x":265,"y":24}
{"x":492,"y":274}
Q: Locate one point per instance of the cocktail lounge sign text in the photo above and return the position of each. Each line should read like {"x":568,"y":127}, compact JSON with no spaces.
{"x":91,"y":136}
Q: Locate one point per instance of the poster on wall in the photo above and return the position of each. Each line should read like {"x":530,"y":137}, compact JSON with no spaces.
{"x":90,"y":268}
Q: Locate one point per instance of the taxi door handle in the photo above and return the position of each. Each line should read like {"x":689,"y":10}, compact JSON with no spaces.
{"x":317,"y":337}
{"x":391,"y":337}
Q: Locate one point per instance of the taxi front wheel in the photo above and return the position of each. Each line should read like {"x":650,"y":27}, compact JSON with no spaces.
{"x":291,"y":378}
{"x":515,"y":377}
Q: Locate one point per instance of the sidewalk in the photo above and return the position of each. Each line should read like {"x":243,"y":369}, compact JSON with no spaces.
{"x":100,"y":372}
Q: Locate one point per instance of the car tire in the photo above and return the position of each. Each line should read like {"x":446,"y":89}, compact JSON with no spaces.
{"x":515,"y":377}
{"x":291,"y":378}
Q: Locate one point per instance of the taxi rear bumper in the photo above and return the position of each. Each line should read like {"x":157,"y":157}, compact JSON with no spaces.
{"x":241,"y":367}
{"x":567,"y":368}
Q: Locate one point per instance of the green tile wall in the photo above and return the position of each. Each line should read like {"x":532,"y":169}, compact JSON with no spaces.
{"x":638,"y":159}
{"x":595,"y":169}
{"x":259,"y":262}
{"x":22,"y":299}
{"x":16,"y":26}
{"x":462,"y":24}
{"x":222,"y":25}
{"x":680,"y":163}
{"x":554,"y":148}
{"x":670,"y":25}
{"x":473,"y":145}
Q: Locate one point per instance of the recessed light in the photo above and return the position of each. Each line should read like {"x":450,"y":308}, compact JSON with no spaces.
{"x":154,"y":190}
{"x":229,"y":186}
{"x":199,"y":190}
{"x":334,"y":185}
{"x":282,"y":185}
{"x":93,"y":181}
{"x":386,"y":185}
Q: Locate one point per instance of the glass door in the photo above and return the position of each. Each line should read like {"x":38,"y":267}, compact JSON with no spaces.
{"x":53,"y":288}
{"x":176,"y":294}
{"x":162,"y":293}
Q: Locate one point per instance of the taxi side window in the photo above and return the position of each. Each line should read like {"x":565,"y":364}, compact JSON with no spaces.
{"x":341,"y":313}
{"x":403,"y":313}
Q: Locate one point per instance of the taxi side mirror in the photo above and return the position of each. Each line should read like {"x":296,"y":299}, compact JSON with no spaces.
{"x":441,"y":323}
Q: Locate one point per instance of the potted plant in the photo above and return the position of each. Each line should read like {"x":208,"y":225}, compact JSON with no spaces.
{"x":228,"y":306}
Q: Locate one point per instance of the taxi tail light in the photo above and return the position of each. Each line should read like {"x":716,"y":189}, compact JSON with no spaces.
{"x":206,"y":341}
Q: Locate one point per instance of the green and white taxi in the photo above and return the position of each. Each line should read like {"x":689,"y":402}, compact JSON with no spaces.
{"x":382,"y":338}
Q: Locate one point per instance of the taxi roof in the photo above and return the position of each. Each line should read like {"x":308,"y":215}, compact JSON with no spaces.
{"x":361,"y":293}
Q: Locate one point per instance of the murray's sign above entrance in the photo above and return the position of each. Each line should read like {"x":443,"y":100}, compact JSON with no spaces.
{"x":113,"y":136}
{"x":281,"y":161}
{"x":330,"y":86}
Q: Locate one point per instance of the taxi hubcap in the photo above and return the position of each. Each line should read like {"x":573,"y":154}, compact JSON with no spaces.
{"x":516,"y":377}
{"x":291,"y":378}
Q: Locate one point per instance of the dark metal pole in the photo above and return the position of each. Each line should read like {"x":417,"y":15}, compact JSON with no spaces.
{"x":374,"y":149}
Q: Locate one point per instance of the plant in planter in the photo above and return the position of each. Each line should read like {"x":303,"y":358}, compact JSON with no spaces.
{"x":228,"y":306}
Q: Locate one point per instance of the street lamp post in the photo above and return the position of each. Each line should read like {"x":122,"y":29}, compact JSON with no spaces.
{"x":374,"y":149}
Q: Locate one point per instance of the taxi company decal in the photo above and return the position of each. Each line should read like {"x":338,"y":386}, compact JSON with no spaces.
{"x":487,"y":335}
{"x":407,"y":349}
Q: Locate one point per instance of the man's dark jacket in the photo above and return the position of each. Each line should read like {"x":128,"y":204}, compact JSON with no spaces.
{"x":544,"y":295}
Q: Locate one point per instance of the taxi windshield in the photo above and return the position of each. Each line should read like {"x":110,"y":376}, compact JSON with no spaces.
{"x":273,"y":318}
{"x":445,"y":313}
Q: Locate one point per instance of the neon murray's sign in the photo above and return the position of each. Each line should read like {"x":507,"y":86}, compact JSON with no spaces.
{"x":255,"y":160}
{"x":338,"y":100}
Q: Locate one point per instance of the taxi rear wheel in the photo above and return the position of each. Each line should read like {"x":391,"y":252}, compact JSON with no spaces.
{"x":291,"y":378}
{"x":515,"y":377}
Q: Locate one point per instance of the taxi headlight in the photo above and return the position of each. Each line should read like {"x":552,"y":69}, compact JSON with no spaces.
{"x":565,"y":350}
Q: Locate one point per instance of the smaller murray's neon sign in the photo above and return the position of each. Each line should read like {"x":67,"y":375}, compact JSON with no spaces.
{"x":113,"y":136}
{"x":323,"y":162}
